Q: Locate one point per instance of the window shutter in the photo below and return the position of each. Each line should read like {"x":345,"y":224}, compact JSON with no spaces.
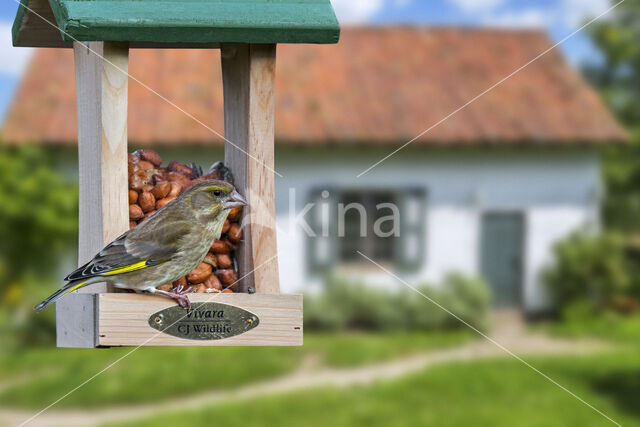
{"x":410,"y":250}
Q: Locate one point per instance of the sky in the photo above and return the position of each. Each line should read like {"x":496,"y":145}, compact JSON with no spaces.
{"x":558,"y":17}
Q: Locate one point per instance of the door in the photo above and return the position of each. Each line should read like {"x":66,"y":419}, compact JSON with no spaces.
{"x":501,"y":254}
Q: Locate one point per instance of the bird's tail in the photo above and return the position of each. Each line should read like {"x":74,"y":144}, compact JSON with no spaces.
{"x":69,"y":287}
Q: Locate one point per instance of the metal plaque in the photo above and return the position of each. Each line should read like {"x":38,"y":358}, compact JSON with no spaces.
{"x":204,"y":321}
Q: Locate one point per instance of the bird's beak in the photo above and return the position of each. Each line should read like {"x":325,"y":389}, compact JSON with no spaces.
{"x":234,"y":200}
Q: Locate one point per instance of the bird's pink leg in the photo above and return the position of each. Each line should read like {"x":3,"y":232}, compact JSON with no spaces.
{"x":179,"y":296}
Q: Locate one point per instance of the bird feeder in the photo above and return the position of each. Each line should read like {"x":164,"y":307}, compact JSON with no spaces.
{"x":101,"y":32}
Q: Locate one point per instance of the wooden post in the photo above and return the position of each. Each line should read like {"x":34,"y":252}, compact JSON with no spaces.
{"x":101,"y":96}
{"x":248,"y":73}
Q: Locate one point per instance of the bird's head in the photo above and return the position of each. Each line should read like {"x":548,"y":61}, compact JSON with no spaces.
{"x":211,"y":197}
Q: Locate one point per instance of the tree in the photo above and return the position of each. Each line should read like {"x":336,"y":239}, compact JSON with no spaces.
{"x":617,"y":76}
{"x":38,"y":220}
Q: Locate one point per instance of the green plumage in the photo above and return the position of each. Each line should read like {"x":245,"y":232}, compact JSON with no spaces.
{"x":165,"y":247}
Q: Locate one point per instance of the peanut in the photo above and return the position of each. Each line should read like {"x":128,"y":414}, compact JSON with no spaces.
{"x":227,"y":291}
{"x":200,"y":273}
{"x":158,"y":178}
{"x":135,"y":212}
{"x":211,"y":260}
{"x":219,"y":247}
{"x":235,"y":233}
{"x":136,"y":181}
{"x":235,"y":213}
{"x":133,"y":158}
{"x":223,"y":261}
{"x":166,"y":287}
{"x":132,"y":224}
{"x":162,"y":202}
{"x":150,"y":156}
{"x":213,"y":282}
{"x":176,"y":189}
{"x":147,"y":202}
{"x":161,"y":190}
{"x":226,"y":225}
{"x":133,"y":196}
{"x":180,"y":168}
{"x":228,"y":277}
{"x":201,"y":289}
{"x":177,"y":177}
{"x":185,"y":170}
{"x":145,"y":165}
{"x":148,"y":215}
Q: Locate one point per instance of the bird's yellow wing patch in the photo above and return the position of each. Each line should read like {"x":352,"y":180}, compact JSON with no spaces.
{"x":133,"y":267}
{"x":68,"y":291}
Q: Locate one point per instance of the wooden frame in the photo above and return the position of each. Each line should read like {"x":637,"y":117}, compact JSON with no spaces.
{"x":92,"y":317}
{"x":101,"y":95}
{"x":248,"y":74}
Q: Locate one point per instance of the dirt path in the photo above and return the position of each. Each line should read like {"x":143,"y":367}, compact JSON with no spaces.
{"x":307,"y":378}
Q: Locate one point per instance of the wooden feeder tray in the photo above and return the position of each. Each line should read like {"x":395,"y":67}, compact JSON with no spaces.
{"x":101,"y":32}
{"x":123,"y":319}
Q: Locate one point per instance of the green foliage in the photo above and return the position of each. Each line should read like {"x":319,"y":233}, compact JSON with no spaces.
{"x":588,"y":268}
{"x":617,"y":76}
{"x":579,"y":319}
{"x":38,"y":226}
{"x":621,"y":172}
{"x":469,"y":298}
{"x":38,"y":217}
{"x":355,"y":306}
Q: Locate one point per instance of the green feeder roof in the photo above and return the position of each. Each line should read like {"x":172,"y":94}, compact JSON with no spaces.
{"x":174,"y":23}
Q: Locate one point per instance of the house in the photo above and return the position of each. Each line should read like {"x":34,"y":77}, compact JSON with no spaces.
{"x":488,"y":191}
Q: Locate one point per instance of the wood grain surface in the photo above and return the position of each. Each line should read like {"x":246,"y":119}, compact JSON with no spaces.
{"x":123,"y":320}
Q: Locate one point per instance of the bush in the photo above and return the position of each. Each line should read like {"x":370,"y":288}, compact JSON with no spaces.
{"x":469,"y":298}
{"x":592,"y":269}
{"x":579,"y":319}
{"x":38,"y":227}
{"x":38,"y":217}
{"x":344,"y":305}
{"x":355,"y":306}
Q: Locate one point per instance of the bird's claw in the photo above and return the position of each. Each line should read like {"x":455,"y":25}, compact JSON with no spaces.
{"x":179,"y":295}
{"x":183,"y":301}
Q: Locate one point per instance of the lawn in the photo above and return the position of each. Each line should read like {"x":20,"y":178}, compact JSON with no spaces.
{"x":500,"y":392}
{"x":608,"y":325}
{"x":149,"y":374}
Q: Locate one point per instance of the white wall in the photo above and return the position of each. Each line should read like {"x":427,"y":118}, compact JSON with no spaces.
{"x":557,"y":190}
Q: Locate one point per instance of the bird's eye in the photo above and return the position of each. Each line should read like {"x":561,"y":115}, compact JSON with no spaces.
{"x":217,"y":193}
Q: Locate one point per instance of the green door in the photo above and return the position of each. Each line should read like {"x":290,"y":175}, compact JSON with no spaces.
{"x":501,"y":256}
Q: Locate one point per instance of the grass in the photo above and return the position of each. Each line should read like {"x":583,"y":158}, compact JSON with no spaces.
{"x":610,"y":326}
{"x":150,"y":374}
{"x":483,"y":393}
{"x":352,"y":349}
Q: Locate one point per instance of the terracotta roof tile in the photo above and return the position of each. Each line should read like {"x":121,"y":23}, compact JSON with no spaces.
{"x":378,"y":85}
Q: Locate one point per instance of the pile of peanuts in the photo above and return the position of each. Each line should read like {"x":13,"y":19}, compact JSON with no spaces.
{"x":152,"y":186}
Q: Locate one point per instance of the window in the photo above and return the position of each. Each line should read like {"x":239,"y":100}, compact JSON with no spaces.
{"x":386,"y":225}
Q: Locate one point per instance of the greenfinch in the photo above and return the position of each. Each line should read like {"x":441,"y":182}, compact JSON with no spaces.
{"x":162,"y":249}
